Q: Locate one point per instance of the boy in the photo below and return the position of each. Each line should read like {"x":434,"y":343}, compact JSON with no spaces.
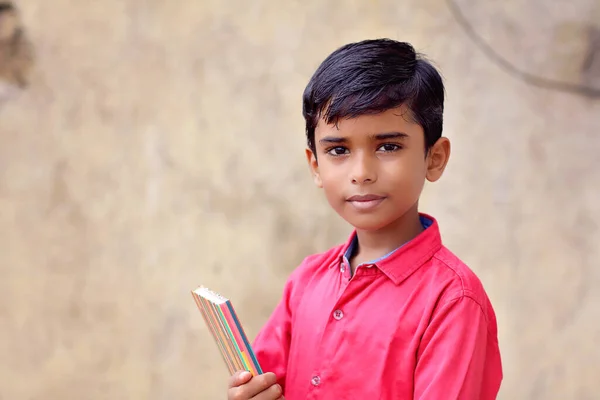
{"x":390,"y":314}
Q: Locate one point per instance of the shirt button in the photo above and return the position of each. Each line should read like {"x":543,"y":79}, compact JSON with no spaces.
{"x":343,"y":268}
{"x":316,"y":380}
{"x":338,"y":314}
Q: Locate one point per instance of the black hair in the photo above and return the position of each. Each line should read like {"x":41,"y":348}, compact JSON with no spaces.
{"x":370,"y":77}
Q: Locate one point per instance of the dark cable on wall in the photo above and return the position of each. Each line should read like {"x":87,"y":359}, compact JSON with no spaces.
{"x":526,"y":77}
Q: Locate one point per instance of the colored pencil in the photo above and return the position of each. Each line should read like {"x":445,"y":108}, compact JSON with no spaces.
{"x":227,"y":331}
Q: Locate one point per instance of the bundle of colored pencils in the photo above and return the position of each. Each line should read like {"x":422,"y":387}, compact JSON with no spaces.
{"x":227,"y":331}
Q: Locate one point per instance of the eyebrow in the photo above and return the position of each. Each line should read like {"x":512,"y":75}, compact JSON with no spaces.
{"x":390,"y":135}
{"x":378,"y":136}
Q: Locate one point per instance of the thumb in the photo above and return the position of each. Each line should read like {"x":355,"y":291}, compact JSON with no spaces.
{"x":239,"y":378}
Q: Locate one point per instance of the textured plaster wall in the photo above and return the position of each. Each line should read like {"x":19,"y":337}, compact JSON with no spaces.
{"x":159,"y":145}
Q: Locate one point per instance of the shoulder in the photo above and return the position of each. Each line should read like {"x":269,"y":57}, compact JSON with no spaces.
{"x":312,"y":268}
{"x":457,"y":281}
{"x":315,"y":263}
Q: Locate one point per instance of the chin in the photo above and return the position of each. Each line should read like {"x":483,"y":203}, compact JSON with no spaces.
{"x":368,"y":223}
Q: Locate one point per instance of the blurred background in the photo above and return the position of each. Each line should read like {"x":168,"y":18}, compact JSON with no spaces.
{"x":148,"y":147}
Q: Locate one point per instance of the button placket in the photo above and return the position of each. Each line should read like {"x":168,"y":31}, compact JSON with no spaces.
{"x":345,"y":272}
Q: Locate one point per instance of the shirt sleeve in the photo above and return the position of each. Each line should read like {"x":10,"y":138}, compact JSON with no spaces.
{"x":272,"y":344}
{"x":458,"y":358}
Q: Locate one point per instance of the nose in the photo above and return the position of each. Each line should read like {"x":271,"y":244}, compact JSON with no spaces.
{"x":363,"y":169}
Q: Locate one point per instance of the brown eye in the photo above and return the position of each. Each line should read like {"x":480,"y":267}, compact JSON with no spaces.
{"x":337,"y":151}
{"x":389,"y":147}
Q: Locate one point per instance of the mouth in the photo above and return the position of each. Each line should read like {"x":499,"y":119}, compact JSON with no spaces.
{"x":365,"y":202}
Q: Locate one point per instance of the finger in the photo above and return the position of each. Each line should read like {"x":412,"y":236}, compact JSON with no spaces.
{"x":255,"y":386}
{"x":239,"y":378}
{"x":274,"y":392}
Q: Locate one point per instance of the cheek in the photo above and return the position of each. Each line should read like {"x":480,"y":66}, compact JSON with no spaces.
{"x":331,"y":175}
{"x":407,"y":168}
{"x":333,"y":182}
{"x":408,"y":176}
{"x":418,"y":175}
{"x":420,"y":172}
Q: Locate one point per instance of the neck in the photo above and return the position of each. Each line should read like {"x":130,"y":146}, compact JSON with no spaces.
{"x":375,"y":244}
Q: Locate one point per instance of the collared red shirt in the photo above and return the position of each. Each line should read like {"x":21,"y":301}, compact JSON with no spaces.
{"x":352,"y":247}
{"x":416,"y":324}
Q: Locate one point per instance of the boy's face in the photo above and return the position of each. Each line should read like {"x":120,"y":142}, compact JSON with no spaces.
{"x":373,"y":167}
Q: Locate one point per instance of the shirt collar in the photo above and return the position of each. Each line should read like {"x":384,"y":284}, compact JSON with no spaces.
{"x":402,"y":262}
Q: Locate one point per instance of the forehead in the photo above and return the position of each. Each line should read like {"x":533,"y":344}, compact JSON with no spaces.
{"x":393,"y":120}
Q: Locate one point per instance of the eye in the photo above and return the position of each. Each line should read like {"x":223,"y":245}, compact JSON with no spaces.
{"x":337,"y":151}
{"x":389,"y":147}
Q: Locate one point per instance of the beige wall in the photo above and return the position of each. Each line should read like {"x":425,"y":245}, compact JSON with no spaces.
{"x":160,"y":146}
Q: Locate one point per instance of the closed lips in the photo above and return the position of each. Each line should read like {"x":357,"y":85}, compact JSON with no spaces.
{"x":367,"y":197}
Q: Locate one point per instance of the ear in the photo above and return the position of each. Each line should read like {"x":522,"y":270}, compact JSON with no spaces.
{"x":437,"y":159}
{"x":314,"y":167}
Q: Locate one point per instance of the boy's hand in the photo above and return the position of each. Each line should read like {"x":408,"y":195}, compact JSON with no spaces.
{"x":243,"y":386}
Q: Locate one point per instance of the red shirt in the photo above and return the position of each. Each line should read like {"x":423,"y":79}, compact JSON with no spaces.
{"x":417,"y":324}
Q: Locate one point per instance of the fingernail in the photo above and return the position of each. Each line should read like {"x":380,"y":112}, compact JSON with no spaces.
{"x":245,"y":375}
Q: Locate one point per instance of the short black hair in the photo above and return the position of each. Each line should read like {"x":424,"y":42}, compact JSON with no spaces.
{"x":370,"y":77}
